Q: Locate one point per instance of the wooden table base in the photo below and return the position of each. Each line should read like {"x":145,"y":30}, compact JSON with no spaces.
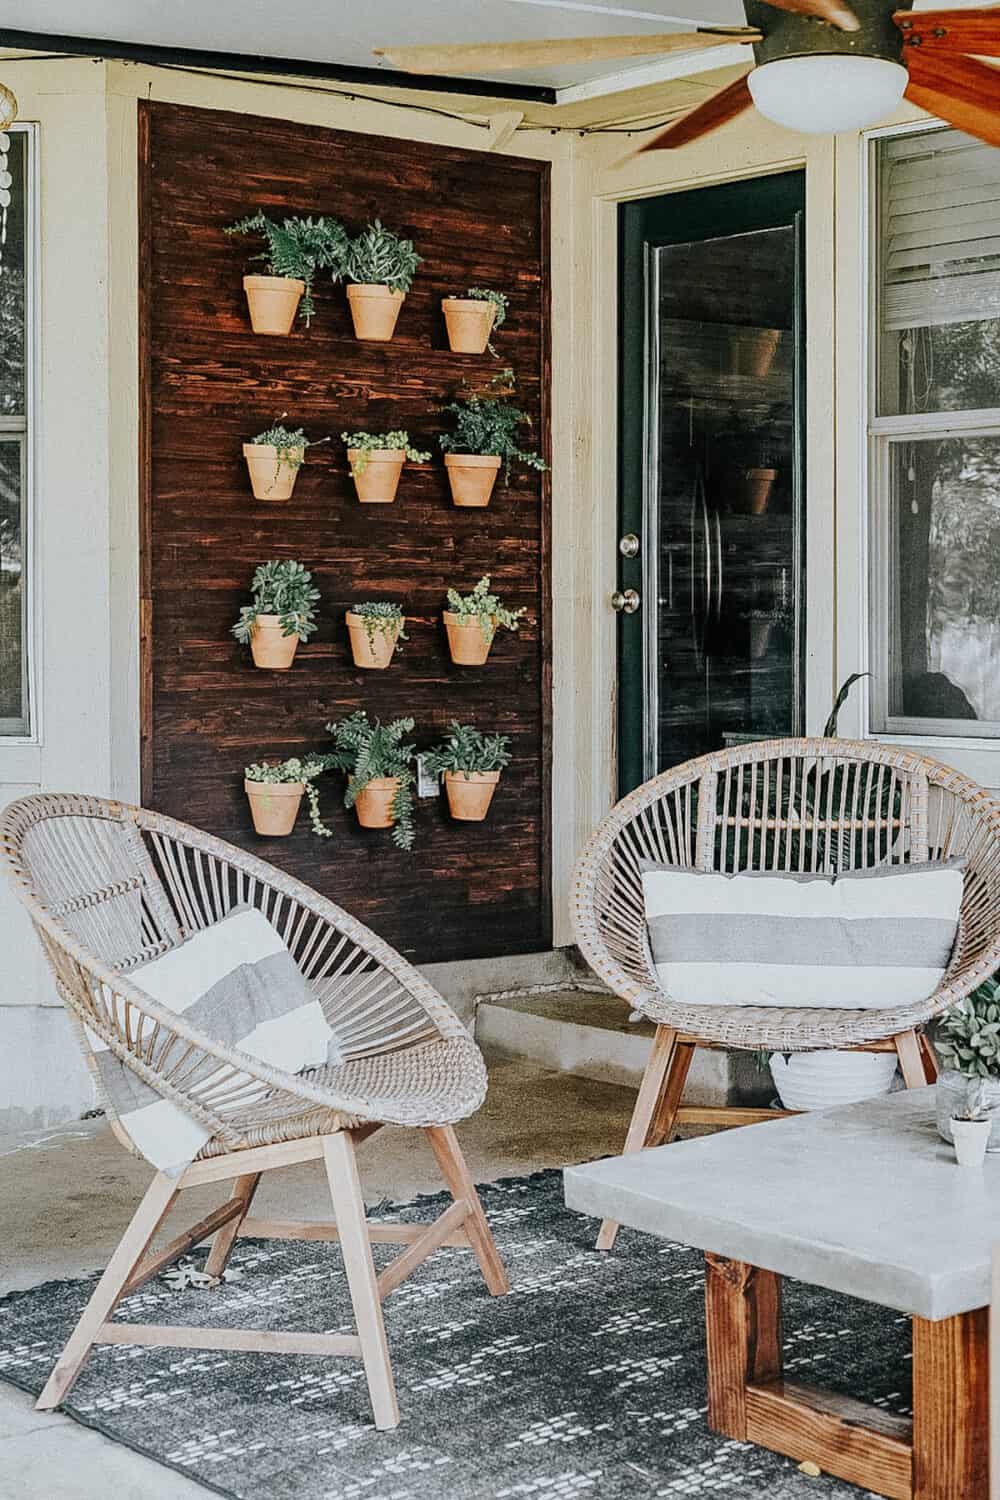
{"x":943,"y":1454}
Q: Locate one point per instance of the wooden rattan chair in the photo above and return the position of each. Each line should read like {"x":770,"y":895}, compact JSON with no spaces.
{"x":108,"y":887}
{"x":796,"y":804}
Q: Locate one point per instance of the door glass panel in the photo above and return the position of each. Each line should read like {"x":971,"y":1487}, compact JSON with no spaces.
{"x":723,"y":497}
{"x":12,"y":282}
{"x":13,"y":696}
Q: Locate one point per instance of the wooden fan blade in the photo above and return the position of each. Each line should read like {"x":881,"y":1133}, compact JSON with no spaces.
{"x":937,"y":31}
{"x":503,"y":57}
{"x":724,"y":105}
{"x":962,"y":91}
{"x":834,"y":11}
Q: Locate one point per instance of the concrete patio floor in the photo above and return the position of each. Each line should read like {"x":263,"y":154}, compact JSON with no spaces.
{"x":66,"y":1195}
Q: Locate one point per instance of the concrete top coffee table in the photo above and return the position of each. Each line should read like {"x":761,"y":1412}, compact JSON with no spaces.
{"x":865,"y":1200}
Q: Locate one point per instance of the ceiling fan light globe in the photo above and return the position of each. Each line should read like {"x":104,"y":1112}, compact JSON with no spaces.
{"x":826,"y":92}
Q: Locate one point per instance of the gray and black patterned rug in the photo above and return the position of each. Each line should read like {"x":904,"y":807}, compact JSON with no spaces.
{"x":588,"y":1380}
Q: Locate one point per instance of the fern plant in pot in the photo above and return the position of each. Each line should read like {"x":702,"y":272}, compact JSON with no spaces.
{"x":375,"y":627}
{"x":275,"y":792}
{"x":274,"y":458}
{"x":473,"y":621}
{"x":380,"y":267}
{"x":296,"y":249}
{"x":378,"y":764}
{"x":470,"y":763}
{"x":282,"y":613}
{"x":470,"y":320}
{"x":485,"y":437}
{"x":376,"y":460}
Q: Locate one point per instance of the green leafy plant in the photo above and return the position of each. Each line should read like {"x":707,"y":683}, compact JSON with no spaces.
{"x":377,"y":257}
{"x":500,"y":301}
{"x":298,"y":248}
{"x":293,"y":770}
{"x":283,"y":589}
{"x":290,"y":442}
{"x":485,"y":607}
{"x":372,"y":442}
{"x":487,"y":424}
{"x":968,"y":1034}
{"x":468,"y":751}
{"x":380,"y":617}
{"x":369,"y":751}
{"x":830,"y":728}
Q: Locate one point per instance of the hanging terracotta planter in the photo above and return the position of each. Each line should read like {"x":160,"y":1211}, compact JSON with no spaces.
{"x":469,"y":322}
{"x":377,"y":479}
{"x":757,"y":487}
{"x":374,"y":311}
{"x":273,"y":302}
{"x":472,"y":477}
{"x":469,"y":644}
{"x":274,"y":806}
{"x":373,"y":803}
{"x":372,"y":651}
{"x":470,"y":793}
{"x":269,"y":647}
{"x":272,"y":473}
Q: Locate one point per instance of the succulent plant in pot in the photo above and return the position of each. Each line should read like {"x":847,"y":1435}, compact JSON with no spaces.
{"x":473,"y":620}
{"x":470,"y":320}
{"x":374,"y":628}
{"x":471,"y":763}
{"x":376,"y":460}
{"x":380,"y":267}
{"x":485,"y":437}
{"x":282,"y":613}
{"x":378,"y":762}
{"x":275,"y":792}
{"x":296,"y":249}
{"x":274,"y":458}
{"x":967,"y":1041}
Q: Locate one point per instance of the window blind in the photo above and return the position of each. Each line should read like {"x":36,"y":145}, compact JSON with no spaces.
{"x":941,"y":231}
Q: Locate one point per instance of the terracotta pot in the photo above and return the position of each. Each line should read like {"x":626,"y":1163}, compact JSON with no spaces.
{"x":469,"y":795}
{"x":374,"y":310}
{"x":375,"y":651}
{"x":472,"y":477}
{"x":374,"y":802}
{"x":273,"y":302}
{"x":467,"y":644}
{"x":757,"y":486}
{"x":269,"y":647}
{"x":759,"y":351}
{"x":271,"y":477}
{"x":379,"y":479}
{"x":274,"y":806}
{"x":469,"y":321}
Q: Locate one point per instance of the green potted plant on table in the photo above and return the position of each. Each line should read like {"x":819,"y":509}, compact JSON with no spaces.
{"x":374,"y":628}
{"x":470,"y":320}
{"x":379,"y":776}
{"x":470,"y":763}
{"x":473,"y":620}
{"x":967,"y":1041}
{"x":485,"y":437}
{"x":274,"y":458}
{"x":376,"y":460}
{"x":380,"y":267}
{"x":283,"y":612}
{"x":275,"y":792}
{"x":296,"y":249}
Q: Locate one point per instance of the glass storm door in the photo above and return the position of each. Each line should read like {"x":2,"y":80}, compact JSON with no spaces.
{"x":711,"y":543}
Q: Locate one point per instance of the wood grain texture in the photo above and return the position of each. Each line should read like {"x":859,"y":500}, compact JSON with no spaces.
{"x":857,"y":1442}
{"x":951,"y":1435}
{"x":742,"y":1338}
{"x":208,"y":383}
{"x":959,"y":90}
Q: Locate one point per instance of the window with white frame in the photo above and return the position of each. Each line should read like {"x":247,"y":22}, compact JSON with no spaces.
{"x":935,"y":432}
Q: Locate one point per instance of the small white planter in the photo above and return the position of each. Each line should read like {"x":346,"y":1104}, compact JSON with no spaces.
{"x":951,"y":1094}
{"x":970,"y":1137}
{"x":821,"y":1080}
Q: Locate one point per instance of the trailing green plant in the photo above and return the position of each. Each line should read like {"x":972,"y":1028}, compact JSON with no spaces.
{"x":487,"y":424}
{"x":380,"y":617}
{"x":377,"y":257}
{"x":485,"y":607}
{"x":469,"y":751}
{"x":283,"y":589}
{"x":293,"y":770}
{"x":372,"y":442}
{"x":298,"y":248}
{"x":500,"y":302}
{"x":968,"y":1034}
{"x":830,"y":727}
{"x":291,"y":442}
{"x":369,"y":751}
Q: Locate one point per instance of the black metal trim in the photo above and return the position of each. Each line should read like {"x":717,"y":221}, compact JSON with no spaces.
{"x":239,"y":62}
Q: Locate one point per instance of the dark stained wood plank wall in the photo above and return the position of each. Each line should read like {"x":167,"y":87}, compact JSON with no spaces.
{"x":208,"y":384}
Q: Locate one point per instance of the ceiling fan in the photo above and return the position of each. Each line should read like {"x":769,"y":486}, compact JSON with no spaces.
{"x":819,"y":66}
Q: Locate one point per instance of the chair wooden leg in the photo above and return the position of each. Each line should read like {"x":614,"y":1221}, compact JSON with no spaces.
{"x":911,"y":1060}
{"x":131,"y":1248}
{"x":349,"y":1211}
{"x":455,"y":1172}
{"x":651,"y":1089}
{"x":929,"y":1056}
{"x":222,"y":1245}
{"x":673,"y":1092}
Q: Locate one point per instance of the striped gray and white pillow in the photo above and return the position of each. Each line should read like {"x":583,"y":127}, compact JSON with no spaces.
{"x":238,"y":984}
{"x":862,"y":940}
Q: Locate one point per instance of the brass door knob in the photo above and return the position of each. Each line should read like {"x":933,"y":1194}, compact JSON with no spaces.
{"x":625,"y":603}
